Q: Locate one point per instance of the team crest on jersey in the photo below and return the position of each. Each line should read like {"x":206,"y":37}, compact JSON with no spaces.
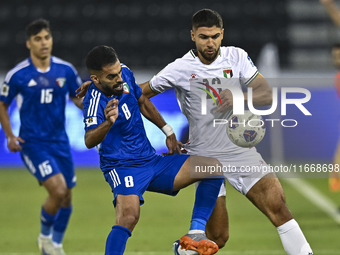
{"x":4,"y":90}
{"x":227,"y":72}
{"x":193,"y":76}
{"x":61,"y":81}
{"x":91,"y":121}
{"x":126,"y":88}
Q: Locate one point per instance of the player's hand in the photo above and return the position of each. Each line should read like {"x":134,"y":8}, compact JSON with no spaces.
{"x":172,"y":144}
{"x":13,"y":143}
{"x":83,"y":89}
{"x":111,"y":110}
{"x":227,"y":100}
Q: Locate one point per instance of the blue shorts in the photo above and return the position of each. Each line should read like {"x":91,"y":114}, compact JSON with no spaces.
{"x":43,"y":164}
{"x":156,"y":175}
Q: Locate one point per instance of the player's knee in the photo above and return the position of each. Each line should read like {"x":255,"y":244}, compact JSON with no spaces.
{"x":127,"y":216}
{"x":128,"y":219}
{"x":67,"y":199}
{"x":59,"y":194}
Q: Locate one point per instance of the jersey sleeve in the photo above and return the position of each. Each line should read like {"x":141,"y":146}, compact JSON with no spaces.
{"x":9,"y":89}
{"x":74,"y":81}
{"x":93,"y":110}
{"x":164,"y":80}
{"x":248,"y":71}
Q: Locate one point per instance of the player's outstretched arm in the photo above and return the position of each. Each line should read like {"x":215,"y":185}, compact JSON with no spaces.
{"x":150,"y":112}
{"x":147,"y":91}
{"x":262,"y":94}
{"x":12,"y":140}
{"x":95,"y":136}
{"x":332,"y":10}
{"x":78,"y":102}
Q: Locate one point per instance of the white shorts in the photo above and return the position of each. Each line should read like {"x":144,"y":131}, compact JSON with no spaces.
{"x":243,"y":178}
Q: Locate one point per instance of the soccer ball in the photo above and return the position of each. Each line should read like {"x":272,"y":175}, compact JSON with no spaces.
{"x":246,"y":130}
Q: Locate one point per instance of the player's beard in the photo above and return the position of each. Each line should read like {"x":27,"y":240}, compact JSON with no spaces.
{"x":117,"y":92}
{"x":209,"y":58}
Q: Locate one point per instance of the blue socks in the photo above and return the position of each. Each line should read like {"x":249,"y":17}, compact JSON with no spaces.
{"x":206,"y":195}
{"x":116,"y":241}
{"x":60,"y":224}
{"x":46,"y":222}
{"x":57,"y":223}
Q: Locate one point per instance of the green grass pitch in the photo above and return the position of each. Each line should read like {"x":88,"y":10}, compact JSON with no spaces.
{"x":163,"y":219}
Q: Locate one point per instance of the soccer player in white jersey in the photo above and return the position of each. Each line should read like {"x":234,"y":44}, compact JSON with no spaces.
{"x":41,"y":84}
{"x":209,"y":66}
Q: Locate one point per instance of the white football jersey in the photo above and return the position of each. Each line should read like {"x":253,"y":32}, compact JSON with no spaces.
{"x":197,"y":86}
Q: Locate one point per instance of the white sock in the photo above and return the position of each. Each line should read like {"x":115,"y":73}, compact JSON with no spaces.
{"x":293,"y":240}
{"x":196,"y":231}
{"x":57,"y":245}
{"x":43,"y":236}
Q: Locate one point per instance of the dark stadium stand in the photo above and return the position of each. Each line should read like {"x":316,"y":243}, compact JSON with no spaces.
{"x":147,"y":34}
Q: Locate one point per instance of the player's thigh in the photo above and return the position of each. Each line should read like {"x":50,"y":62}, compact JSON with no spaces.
{"x":66,"y":166}
{"x":127,"y":210}
{"x":195,"y":168}
{"x":267,"y":189}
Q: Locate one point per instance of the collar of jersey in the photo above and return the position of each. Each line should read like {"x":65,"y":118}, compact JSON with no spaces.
{"x":38,"y":69}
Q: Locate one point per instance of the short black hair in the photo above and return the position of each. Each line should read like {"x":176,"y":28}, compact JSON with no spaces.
{"x":99,"y":57}
{"x":36,"y":26}
{"x":206,"y":18}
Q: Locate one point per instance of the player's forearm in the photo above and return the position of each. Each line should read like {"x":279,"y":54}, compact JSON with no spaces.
{"x":260,"y":96}
{"x":78,"y":102}
{"x":97,"y":135}
{"x":261,"y":92}
{"x":5,"y":121}
{"x":333,"y":12}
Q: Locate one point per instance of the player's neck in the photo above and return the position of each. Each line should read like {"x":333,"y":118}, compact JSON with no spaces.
{"x":42,"y":64}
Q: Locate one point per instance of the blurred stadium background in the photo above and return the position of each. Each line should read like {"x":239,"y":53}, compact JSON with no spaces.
{"x":290,"y":42}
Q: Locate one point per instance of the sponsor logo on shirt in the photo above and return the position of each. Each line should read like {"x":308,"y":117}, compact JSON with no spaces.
{"x":32,"y":83}
{"x":4,"y":90}
{"x":91,"y":121}
{"x":61,"y":81}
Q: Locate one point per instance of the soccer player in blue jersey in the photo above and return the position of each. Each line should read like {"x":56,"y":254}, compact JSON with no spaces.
{"x":41,"y":84}
{"x":112,"y":115}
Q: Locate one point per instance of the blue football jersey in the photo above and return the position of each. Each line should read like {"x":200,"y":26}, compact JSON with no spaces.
{"x":126,"y":144}
{"x":41,"y":98}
